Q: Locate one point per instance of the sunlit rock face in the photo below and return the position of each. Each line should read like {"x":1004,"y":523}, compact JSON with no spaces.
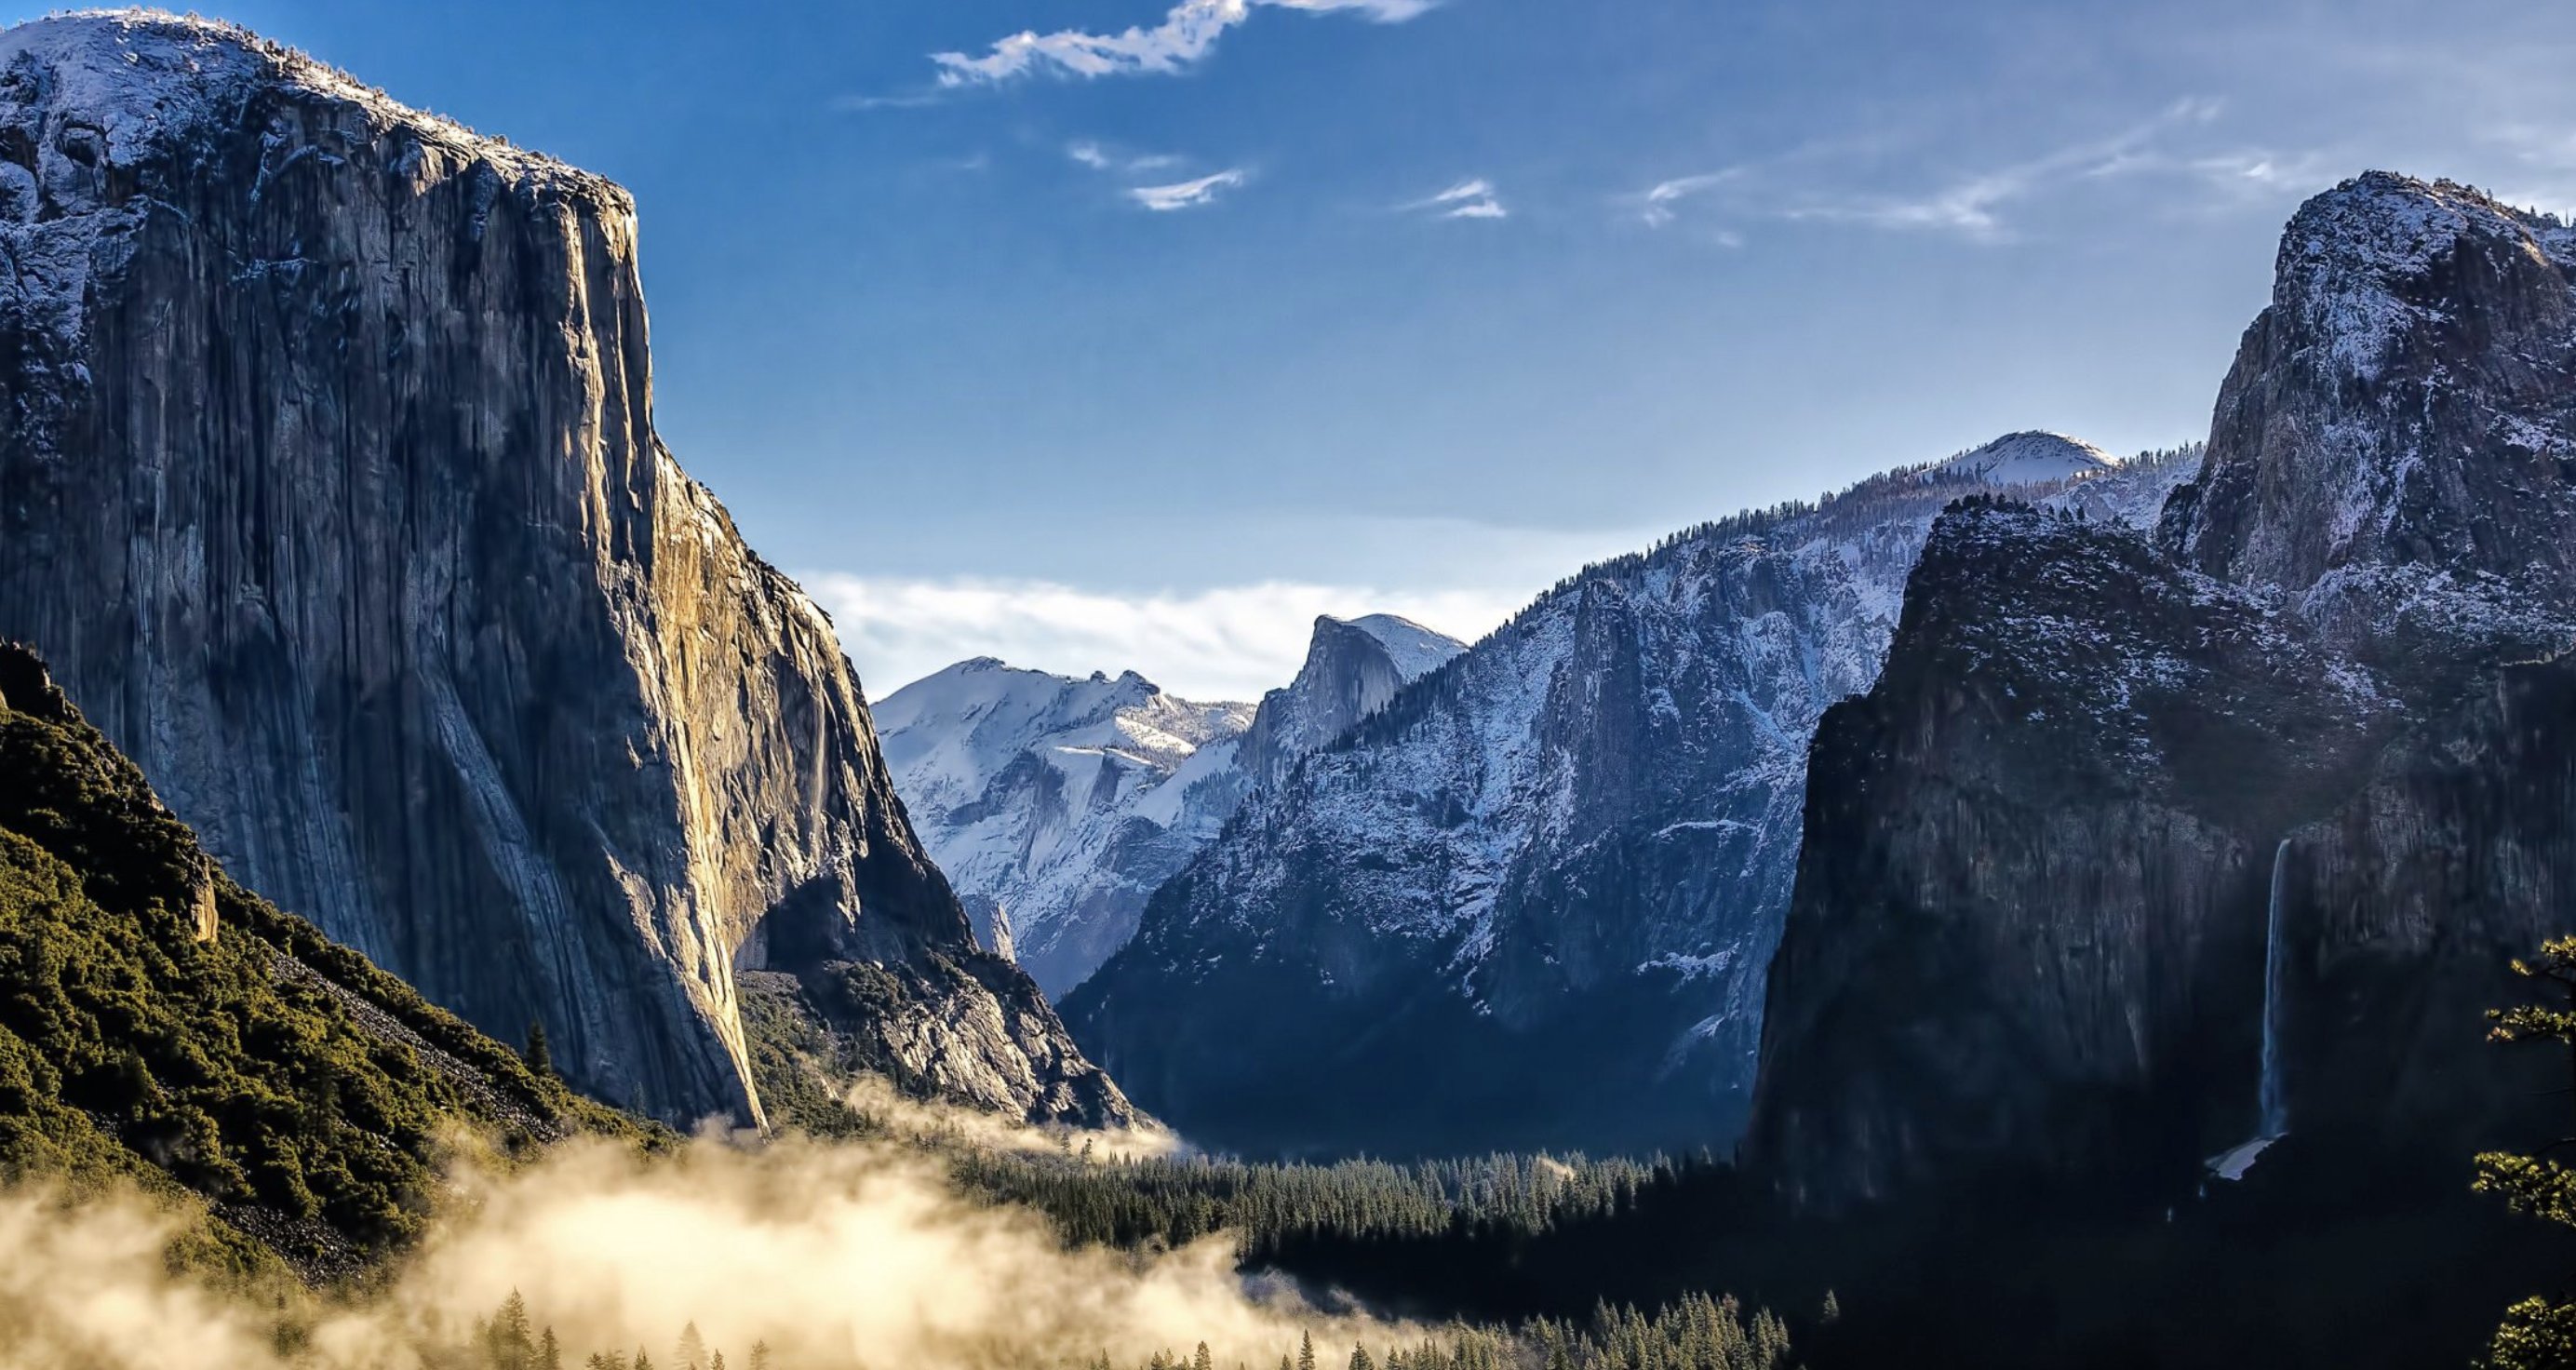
{"x":332,"y":493}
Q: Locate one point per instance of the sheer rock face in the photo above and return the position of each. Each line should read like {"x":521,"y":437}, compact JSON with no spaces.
{"x":1530,"y":901}
{"x":2030,"y":854}
{"x":2030,"y":925}
{"x":332,"y":493}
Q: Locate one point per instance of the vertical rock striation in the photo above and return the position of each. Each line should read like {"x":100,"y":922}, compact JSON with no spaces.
{"x":332,"y":493}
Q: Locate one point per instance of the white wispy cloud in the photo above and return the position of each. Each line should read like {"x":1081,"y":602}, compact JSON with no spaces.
{"x":1969,"y":206}
{"x":1975,"y":206}
{"x":1655,"y":205}
{"x":1187,"y":33}
{"x":860,"y":104}
{"x":1099,"y":158}
{"x":1187,"y":194}
{"x":1228,"y":642}
{"x":1469,"y":199}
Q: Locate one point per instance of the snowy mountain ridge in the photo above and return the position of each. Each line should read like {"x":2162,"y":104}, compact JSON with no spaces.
{"x":1057,"y":805}
{"x":1570,"y":846}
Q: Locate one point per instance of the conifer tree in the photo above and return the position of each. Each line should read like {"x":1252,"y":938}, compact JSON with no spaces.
{"x":2538,"y":1333}
{"x":1305,"y":1351}
{"x":1201,"y":1360}
{"x":540,"y":1057}
{"x":549,"y":1351}
{"x":509,"y":1341}
{"x":1361,"y":1360}
{"x":691,"y":1353}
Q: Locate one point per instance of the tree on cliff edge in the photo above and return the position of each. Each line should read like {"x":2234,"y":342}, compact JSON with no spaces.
{"x":2539,"y":1333}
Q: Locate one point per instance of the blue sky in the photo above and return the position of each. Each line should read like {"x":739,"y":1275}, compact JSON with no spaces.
{"x":1105,"y":348}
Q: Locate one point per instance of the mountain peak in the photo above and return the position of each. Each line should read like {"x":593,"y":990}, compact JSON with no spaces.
{"x":2402,"y":401}
{"x":2028,"y":458}
{"x":2357,"y":262}
{"x":1413,"y":649}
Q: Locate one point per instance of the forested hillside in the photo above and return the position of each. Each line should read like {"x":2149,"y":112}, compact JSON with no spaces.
{"x":160,"y":1023}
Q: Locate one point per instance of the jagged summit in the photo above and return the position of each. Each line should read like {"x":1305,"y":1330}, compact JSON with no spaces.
{"x":1055,"y":804}
{"x":2030,"y":457}
{"x":1353,"y":669}
{"x":2357,"y":263}
{"x":1058,"y":805}
{"x":2401,"y":402}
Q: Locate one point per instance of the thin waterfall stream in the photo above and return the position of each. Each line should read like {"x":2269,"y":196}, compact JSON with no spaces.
{"x":2271,"y":1107}
{"x":2271,"y":1102}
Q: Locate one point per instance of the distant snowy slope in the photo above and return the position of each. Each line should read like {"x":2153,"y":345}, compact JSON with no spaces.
{"x":2134,"y":491}
{"x":1056,"y":806}
{"x":1530,"y":901}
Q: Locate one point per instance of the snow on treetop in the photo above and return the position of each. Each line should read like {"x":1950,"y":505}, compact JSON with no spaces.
{"x":147,"y":78}
{"x":2028,"y":458}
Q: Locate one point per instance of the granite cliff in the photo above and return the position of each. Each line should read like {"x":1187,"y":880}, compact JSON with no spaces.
{"x":2144,"y":851}
{"x":333,"y":496}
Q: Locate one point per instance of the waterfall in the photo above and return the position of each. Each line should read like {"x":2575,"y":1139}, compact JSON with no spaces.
{"x":2274,"y":1110}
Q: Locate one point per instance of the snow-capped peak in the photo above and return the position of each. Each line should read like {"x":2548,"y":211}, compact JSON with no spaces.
{"x":1056,"y":804}
{"x":143,"y":76}
{"x":2028,"y":458}
{"x":1415,"y":650}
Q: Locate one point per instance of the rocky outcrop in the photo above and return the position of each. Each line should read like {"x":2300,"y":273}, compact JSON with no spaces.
{"x":2404,"y":402}
{"x":2048,"y":855}
{"x":1530,"y":902}
{"x":334,"y":497}
{"x":1353,"y":669}
{"x":2031,"y":852}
